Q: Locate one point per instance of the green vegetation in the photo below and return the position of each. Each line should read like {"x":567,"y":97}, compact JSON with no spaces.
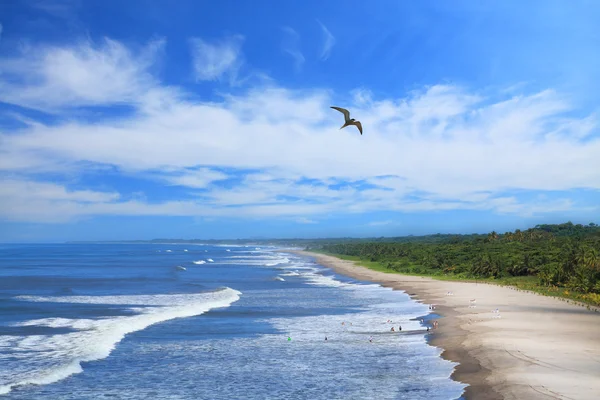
{"x":561,"y":260}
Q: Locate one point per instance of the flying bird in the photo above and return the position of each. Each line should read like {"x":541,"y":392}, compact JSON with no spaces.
{"x":348,"y":121}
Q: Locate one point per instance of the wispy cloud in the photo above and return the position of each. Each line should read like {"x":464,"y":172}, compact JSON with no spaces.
{"x":0,"y":31}
{"x":58,"y":8}
{"x":442,"y":147}
{"x":305,"y":220}
{"x":291,"y":45}
{"x":380,"y":223}
{"x":362,"y":96}
{"x":50,"y":78}
{"x":213,"y":60}
{"x":196,"y":179}
{"x":328,"y":41}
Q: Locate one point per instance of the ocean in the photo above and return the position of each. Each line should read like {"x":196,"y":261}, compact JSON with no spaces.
{"x":187,"y":321}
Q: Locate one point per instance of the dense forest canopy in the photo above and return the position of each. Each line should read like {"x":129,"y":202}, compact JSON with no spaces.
{"x":565,"y":255}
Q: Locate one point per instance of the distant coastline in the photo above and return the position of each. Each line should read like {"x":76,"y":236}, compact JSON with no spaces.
{"x":289,"y":241}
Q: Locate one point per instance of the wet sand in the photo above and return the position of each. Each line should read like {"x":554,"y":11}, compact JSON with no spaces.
{"x":535,"y":347}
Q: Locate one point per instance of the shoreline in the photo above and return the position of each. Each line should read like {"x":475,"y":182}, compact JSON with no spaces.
{"x":535,"y":347}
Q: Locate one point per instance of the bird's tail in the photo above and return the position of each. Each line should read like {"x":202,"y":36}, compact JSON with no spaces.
{"x":343,"y":126}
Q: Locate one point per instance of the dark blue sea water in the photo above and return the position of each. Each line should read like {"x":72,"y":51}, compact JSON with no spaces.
{"x":139,"y":321}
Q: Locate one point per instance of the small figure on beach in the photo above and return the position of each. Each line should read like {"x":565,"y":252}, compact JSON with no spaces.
{"x":289,"y":339}
{"x":427,"y":329}
{"x":371,"y":339}
{"x":347,"y":120}
{"x":325,"y":338}
{"x":399,"y":328}
{"x":392,"y":329}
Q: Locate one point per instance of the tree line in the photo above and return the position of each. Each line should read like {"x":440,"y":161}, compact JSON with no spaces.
{"x":564,"y":255}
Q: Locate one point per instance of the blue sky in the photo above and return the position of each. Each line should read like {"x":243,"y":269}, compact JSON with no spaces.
{"x":146,"y":119}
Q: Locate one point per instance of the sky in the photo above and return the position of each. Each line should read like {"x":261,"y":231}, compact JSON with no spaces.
{"x":200,"y":119}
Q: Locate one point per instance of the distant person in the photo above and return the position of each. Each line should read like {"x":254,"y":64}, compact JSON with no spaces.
{"x":392,"y":329}
{"x":325,"y":338}
{"x":371,"y":339}
{"x":399,"y":328}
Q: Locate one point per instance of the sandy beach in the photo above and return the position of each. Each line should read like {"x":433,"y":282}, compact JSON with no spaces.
{"x":510,"y":344}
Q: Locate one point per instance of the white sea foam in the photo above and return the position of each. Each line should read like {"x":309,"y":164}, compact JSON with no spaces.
{"x":379,"y":305}
{"x":381,"y":301}
{"x":185,"y":249}
{"x":266,"y":260}
{"x":282,"y":260}
{"x":199,"y":262}
{"x":292,"y":273}
{"x":169,"y":251}
{"x":210,"y":260}
{"x":43,"y":359}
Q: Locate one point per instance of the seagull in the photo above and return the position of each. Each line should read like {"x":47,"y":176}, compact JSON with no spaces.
{"x":348,"y":120}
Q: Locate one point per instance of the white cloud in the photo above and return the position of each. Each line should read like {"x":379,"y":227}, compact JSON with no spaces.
{"x":305,"y":220}
{"x":58,"y":8}
{"x":50,"y":191}
{"x":362,"y":96}
{"x":50,"y":203}
{"x":380,"y":223}
{"x":438,"y":148}
{"x":213,"y":60}
{"x":49,"y":78}
{"x":31,"y":201}
{"x":197,"y":179}
{"x":291,"y":46}
{"x":328,"y":42}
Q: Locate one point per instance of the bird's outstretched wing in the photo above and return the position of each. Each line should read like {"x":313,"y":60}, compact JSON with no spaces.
{"x":343,"y":111}
{"x":358,"y":125}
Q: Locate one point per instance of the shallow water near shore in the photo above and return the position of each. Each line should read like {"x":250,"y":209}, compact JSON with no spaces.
{"x":89,"y":321}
